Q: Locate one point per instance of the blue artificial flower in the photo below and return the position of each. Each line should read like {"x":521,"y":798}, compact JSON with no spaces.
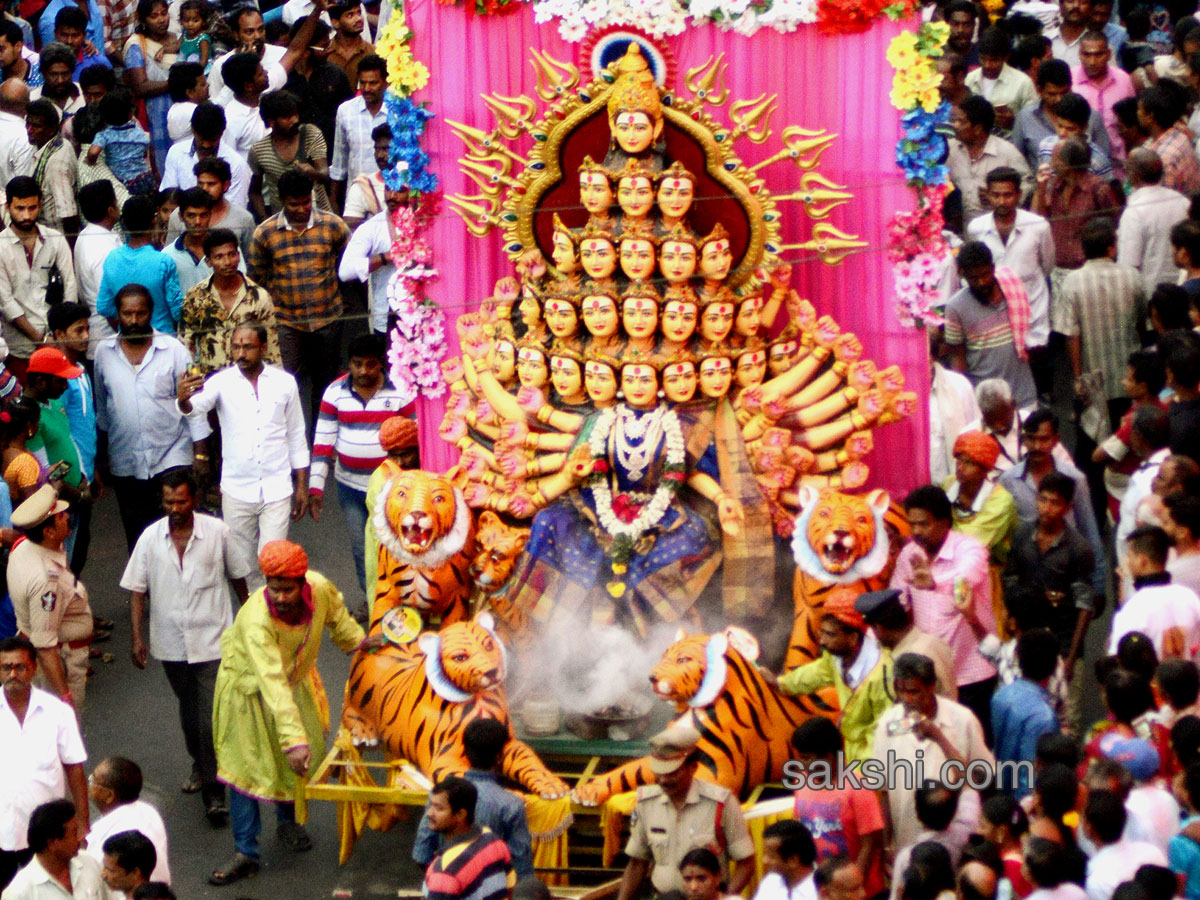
{"x":407,"y":160}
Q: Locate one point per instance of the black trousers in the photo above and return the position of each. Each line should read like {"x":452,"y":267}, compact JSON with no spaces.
{"x":977,"y":697}
{"x":83,"y":537}
{"x":319,"y":353}
{"x":11,"y":862}
{"x":139,"y":502}
{"x":194,"y":684}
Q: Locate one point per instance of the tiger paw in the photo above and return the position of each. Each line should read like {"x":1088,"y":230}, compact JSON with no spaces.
{"x":593,"y":793}
{"x":546,"y":785}
{"x":362,"y":733}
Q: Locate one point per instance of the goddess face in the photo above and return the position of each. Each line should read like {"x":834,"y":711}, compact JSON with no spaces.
{"x":600,"y":382}
{"x":566,"y":259}
{"x":566,"y":378}
{"x":634,"y":131}
{"x":716,"y":260}
{"x":504,"y":361}
{"x":715,"y":377}
{"x":716,"y":322}
{"x":532,"y":370}
{"x":751,"y":368}
{"x":678,"y":321}
{"x":599,"y":258}
{"x":639,"y":315}
{"x":781,"y":357}
{"x":561,"y":318}
{"x":635,"y":195}
{"x":595,"y":193}
{"x":677,"y":260}
{"x":600,"y":316}
{"x":640,"y":384}
{"x":749,"y":317}
{"x":679,"y":382}
{"x":531,"y":311}
{"x":675,"y":197}
{"x":637,"y":258}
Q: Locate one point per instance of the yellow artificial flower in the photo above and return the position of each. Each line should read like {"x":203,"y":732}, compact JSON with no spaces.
{"x":911,"y":86}
{"x":902,"y":51}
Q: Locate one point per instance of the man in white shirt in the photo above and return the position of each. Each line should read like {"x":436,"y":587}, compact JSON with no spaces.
{"x":788,"y":856}
{"x":1067,"y":36}
{"x":1116,"y":860}
{"x":98,"y":204}
{"x":353,"y":145}
{"x":43,"y":753}
{"x":975,"y":151}
{"x":1148,"y":440}
{"x":264,"y":450}
{"x":365,"y":194}
{"x":16,"y":153}
{"x":368,"y":258}
{"x":1144,"y":233}
{"x":1022,"y":241}
{"x":189,"y":568}
{"x":208,"y":139}
{"x":245,"y":76}
{"x":1000,"y":418}
{"x":116,"y":788}
{"x":1168,"y":614}
{"x":250,"y":34}
{"x":951,"y":406}
{"x":57,"y":868}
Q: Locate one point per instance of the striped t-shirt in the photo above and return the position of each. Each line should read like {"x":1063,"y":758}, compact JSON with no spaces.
{"x":986,"y":331}
{"x":476,"y":868}
{"x":349,"y":428}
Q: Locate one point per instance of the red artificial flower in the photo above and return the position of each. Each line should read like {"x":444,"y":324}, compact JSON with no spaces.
{"x":625,"y":509}
{"x":673,"y":476}
{"x":601,"y":466}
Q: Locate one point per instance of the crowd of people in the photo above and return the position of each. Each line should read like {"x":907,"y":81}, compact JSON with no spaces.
{"x":197,"y":224}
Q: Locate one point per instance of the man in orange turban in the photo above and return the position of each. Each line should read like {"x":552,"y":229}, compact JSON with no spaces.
{"x":979,"y":447}
{"x":270,"y":713}
{"x":853,"y":663}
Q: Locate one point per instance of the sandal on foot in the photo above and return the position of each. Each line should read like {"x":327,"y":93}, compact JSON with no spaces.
{"x":192,"y":783}
{"x":241,"y":867}
{"x":294,"y":836}
{"x":217,"y":812}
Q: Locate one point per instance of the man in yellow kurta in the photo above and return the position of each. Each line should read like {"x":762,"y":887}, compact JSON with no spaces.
{"x":269,"y":710}
{"x":982,"y":508}
{"x":855,"y":665}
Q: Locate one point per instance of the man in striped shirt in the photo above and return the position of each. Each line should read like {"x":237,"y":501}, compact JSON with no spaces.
{"x":475,"y":864}
{"x":351,"y":413}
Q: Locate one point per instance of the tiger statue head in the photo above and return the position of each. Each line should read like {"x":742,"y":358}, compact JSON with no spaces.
{"x":692,"y":670}
{"x":499,"y":547}
{"x":422,"y":518}
{"x":464,"y":659}
{"x":840,"y":538}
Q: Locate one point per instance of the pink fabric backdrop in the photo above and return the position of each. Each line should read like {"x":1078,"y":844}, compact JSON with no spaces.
{"x":838,"y":83}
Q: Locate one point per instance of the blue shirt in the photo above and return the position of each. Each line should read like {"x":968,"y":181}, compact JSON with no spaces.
{"x":1183,"y":856}
{"x":152,"y":269}
{"x":1021,"y":713}
{"x":500,"y":810}
{"x":192,"y":269}
{"x":80,"y":406}
{"x":97,"y":60}
{"x":124,"y":150}
{"x":95,"y":25}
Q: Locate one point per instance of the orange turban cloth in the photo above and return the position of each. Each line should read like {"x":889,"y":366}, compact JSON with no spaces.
{"x":283,"y":559}
{"x":397,"y":433}
{"x":978,"y":447}
{"x":840,"y":605}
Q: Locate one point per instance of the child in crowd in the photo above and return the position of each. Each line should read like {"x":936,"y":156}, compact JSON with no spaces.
{"x":702,"y":875}
{"x":195,"y":45}
{"x":1143,"y":382}
{"x":1003,"y":824}
{"x":1023,"y":614}
{"x":188,"y":88}
{"x":125,"y":144}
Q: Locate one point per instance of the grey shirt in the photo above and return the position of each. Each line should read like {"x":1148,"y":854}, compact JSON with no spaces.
{"x":987,"y":334}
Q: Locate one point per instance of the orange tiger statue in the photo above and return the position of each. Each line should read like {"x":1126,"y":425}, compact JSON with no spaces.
{"x":745,"y":724}
{"x":426,"y":542}
{"x":500,"y":546}
{"x":839,"y":540}
{"x":417,"y":698}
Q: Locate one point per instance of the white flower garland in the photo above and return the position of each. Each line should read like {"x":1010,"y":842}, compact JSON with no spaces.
{"x":670,"y":17}
{"x":652,"y":512}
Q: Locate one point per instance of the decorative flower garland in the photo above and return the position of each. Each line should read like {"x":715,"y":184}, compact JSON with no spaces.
{"x":418,"y":340}
{"x":915,"y":244}
{"x":621,"y":517}
{"x":670,"y":17}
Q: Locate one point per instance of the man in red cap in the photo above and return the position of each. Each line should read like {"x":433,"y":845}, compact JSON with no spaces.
{"x":853,"y":663}
{"x":45,"y":382}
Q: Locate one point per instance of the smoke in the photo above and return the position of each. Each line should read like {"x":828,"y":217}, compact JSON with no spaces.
{"x":587,"y":668}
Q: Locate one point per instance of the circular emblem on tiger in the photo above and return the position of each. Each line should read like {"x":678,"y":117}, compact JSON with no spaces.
{"x":401,"y":624}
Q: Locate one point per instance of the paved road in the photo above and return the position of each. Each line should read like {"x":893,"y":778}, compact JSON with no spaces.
{"x":133,"y":713}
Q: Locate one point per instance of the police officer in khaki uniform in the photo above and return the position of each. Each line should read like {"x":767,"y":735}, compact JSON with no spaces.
{"x":51,"y":606}
{"x":679,"y":813}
